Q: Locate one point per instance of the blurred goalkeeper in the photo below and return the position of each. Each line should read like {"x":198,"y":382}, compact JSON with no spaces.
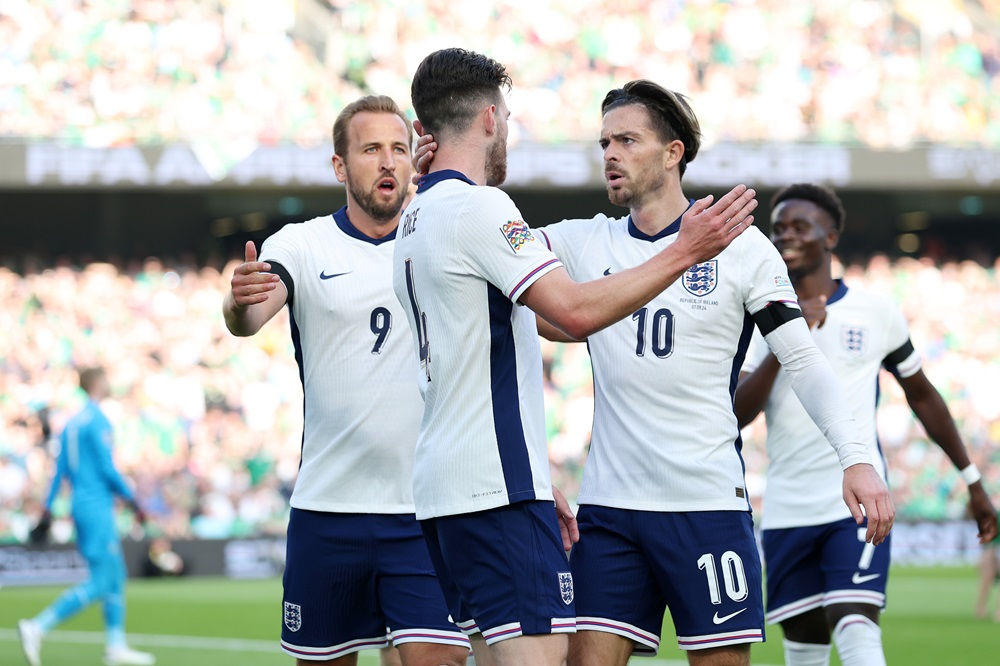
{"x":85,"y":461}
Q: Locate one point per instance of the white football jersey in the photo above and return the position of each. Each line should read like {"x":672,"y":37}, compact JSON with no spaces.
{"x":463,"y":258}
{"x":352,"y":344}
{"x":665,"y":437}
{"x":862,"y":332}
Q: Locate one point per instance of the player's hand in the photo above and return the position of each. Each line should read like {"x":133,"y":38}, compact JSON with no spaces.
{"x":983,"y":512}
{"x":863,"y":487}
{"x":251,"y":282}
{"x":140,"y":515}
{"x":814,"y":311}
{"x":568,"y":528}
{"x":707,"y":229}
{"x":424,"y":154}
{"x":40,"y":532}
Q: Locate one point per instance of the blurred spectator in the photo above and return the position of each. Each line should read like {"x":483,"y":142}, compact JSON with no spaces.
{"x":230,"y":75}
{"x":161,"y":560}
{"x":209,"y":461}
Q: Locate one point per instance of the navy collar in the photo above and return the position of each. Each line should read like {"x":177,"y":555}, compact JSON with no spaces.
{"x":432,"y":179}
{"x":671,"y":228}
{"x":838,"y":293}
{"x":340,"y":217}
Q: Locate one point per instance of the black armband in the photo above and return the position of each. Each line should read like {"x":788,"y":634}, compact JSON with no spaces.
{"x":773,"y":315}
{"x":286,"y":279}
{"x":895,"y":358}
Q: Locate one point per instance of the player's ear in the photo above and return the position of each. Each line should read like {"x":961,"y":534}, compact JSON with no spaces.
{"x":673,"y":153}
{"x":339,"y":168}
{"x":832,"y":238}
{"x":490,"y":119}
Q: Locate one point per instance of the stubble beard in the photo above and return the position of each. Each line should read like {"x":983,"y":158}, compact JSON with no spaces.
{"x":496,"y":163}
{"x":371,"y":203}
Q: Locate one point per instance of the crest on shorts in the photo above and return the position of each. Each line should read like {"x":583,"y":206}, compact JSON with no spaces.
{"x":517,"y":234}
{"x":566,"y":587}
{"x":854,"y":339}
{"x":293,"y":616}
{"x":701,"y":279}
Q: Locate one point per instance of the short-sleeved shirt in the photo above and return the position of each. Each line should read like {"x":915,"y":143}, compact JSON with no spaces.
{"x":352,"y":345}
{"x":463,"y":258}
{"x":862,"y":333}
{"x":665,"y":436}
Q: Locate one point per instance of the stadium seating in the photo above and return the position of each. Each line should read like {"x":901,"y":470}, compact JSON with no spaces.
{"x":886,"y":74}
{"x":209,"y":425}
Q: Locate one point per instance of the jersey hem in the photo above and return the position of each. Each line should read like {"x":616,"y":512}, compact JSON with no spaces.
{"x":663,"y":507}
{"x":793,"y":522}
{"x":475,"y":507}
{"x":326,"y":507}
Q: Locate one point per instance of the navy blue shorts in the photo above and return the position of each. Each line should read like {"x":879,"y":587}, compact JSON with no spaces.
{"x":353,"y":581}
{"x":704,"y":566}
{"x":504,"y":571}
{"x":821,"y":565}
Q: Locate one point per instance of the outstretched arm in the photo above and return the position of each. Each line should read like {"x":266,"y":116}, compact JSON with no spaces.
{"x":550,"y":332}
{"x":250,"y":302}
{"x":932,"y":412}
{"x":580,"y":309}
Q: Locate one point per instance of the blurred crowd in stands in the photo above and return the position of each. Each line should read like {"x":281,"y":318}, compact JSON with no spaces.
{"x":208,"y":426}
{"x":227,"y":75}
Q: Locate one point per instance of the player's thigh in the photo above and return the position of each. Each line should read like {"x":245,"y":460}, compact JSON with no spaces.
{"x":409,"y":593}
{"x":508,"y":568}
{"x":618,"y":592}
{"x":330,"y":605}
{"x":808,"y":627}
{"x":537,"y":650}
{"x":599,"y":648}
{"x":350,"y":659}
{"x":389,"y":656}
{"x":100,"y":546}
{"x":432,"y":654}
{"x":709,"y":568}
{"x":732,"y":655}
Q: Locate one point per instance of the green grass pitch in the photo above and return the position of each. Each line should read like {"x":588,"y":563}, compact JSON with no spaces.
{"x":198,"y":621}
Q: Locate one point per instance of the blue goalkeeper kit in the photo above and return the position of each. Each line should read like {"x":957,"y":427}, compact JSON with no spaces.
{"x":85,"y":461}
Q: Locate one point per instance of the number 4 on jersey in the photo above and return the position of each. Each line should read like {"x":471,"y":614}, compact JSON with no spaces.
{"x":420,"y":322}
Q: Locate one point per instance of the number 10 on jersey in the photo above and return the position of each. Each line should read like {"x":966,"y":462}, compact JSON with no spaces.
{"x":419,"y":322}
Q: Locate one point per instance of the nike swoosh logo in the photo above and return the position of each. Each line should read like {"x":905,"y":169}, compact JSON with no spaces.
{"x":324,"y":276}
{"x":607,"y":271}
{"x":857,"y":578}
{"x":725,"y":618}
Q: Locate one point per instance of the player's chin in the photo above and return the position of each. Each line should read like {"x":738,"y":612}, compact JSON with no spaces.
{"x":619,"y":196}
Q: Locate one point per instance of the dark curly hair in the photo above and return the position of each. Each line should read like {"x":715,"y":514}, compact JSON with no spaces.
{"x":820,"y":195}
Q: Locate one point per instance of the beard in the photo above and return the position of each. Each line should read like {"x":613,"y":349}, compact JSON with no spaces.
{"x":637,"y":191}
{"x":621,"y":196}
{"x":496,"y":163}
{"x":372,"y":202}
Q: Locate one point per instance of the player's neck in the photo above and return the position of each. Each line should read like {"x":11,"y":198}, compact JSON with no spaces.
{"x":368,"y":225}
{"x":819,"y":282}
{"x":657,"y":213}
{"x":461,"y":156}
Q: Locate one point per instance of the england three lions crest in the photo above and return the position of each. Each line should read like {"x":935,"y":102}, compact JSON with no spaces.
{"x":293,"y":616}
{"x":566,"y":587}
{"x":854,"y":339}
{"x":701,"y":279}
